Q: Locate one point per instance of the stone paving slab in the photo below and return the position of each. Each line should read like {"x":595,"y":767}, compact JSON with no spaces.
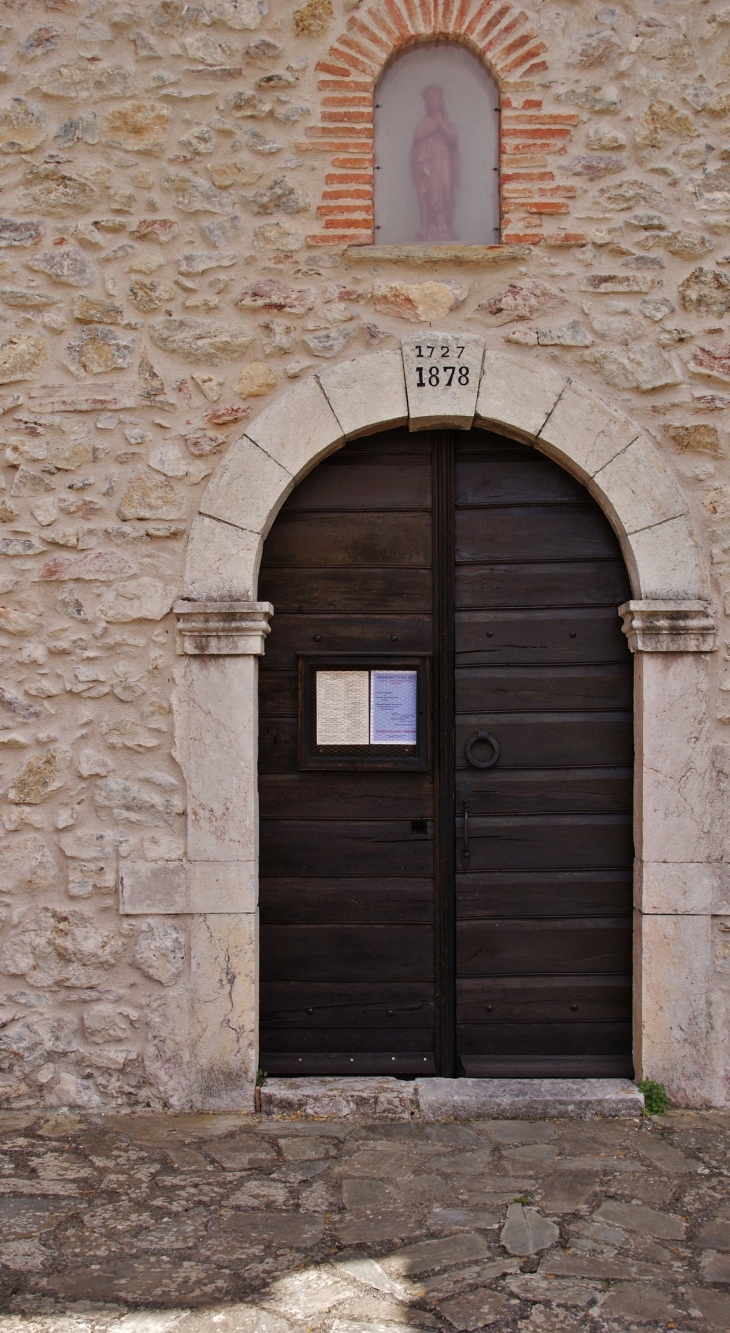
{"x":461,"y":1099}
{"x":261,"y":1224}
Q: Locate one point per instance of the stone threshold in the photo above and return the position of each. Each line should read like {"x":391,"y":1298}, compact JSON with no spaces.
{"x":429,"y":1099}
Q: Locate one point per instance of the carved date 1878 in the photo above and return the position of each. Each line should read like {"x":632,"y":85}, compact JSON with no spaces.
{"x":438,"y":373}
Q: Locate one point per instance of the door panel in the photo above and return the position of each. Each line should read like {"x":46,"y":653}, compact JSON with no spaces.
{"x":347,"y":887}
{"x":486,"y":554}
{"x":544,"y":907}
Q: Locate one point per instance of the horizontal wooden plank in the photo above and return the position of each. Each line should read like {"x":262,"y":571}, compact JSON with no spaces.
{"x":370,"y":540}
{"x":320,"y":847}
{"x":392,"y":476}
{"x":544,"y":583}
{"x":547,"y":740}
{"x":546,"y":1066}
{"x":543,"y":999}
{"x":554,"y":1039}
{"x":549,"y":842}
{"x":518,"y":689}
{"x":356,"y":796}
{"x":292,"y":634}
{"x":543,"y":948}
{"x":545,"y":893}
{"x":580,"y":635}
{"x":347,"y":953}
{"x":322,"y":1038}
{"x":556,"y":532}
{"x":296,"y":1064}
{"x":345,"y":589}
{"x":534,"y":791}
{"x":512,"y":476}
{"x":329,"y":902}
{"x":382,"y":1006}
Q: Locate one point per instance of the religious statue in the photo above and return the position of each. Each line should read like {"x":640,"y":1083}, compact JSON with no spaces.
{"x":435,"y":167}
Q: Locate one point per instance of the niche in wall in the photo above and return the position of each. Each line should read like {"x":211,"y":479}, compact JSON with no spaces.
{"x":437,"y":149}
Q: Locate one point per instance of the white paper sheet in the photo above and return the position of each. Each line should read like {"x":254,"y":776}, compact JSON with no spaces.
{"x":343,"y":707}
{"x":394,"y":708}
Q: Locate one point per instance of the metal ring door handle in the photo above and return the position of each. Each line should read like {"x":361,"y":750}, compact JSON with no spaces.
{"x":482,"y":736}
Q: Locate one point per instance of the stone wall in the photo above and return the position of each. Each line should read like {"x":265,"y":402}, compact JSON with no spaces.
{"x":174,"y":182}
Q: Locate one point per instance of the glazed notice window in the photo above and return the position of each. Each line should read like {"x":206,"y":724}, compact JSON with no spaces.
{"x":393,"y":707}
{"x":364,"y":715}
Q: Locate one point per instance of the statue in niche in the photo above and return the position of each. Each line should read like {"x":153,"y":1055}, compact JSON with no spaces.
{"x":435,"y":167}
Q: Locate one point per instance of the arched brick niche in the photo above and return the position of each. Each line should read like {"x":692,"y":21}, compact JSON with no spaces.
{"x":534,"y":130}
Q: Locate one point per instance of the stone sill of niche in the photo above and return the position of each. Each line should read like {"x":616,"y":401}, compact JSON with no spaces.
{"x":417,"y":255}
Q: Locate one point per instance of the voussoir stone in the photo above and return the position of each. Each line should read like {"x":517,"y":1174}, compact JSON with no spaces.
{"x":526,"y":1231}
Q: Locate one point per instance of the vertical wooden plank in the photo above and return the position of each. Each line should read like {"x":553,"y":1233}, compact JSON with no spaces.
{"x":444,"y":450}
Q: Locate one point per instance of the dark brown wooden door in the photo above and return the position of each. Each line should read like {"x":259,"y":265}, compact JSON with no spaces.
{"x":543,"y":914}
{"x":381,"y":950}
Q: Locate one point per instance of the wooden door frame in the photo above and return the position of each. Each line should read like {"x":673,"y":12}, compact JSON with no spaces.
{"x":669,"y":625}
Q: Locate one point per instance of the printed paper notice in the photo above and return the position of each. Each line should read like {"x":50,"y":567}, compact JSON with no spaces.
{"x":394,"y":708}
{"x":342,"y":707}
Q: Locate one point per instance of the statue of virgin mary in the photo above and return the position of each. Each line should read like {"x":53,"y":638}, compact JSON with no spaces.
{"x":435,"y":167}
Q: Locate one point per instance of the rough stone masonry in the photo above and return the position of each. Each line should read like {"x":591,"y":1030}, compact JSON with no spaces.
{"x":186,"y":198}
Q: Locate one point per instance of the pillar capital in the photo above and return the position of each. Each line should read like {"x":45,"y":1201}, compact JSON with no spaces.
{"x":669,"y":627}
{"x":223,"y":629}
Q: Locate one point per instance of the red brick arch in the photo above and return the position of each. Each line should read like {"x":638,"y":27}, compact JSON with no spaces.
{"x":504,"y":37}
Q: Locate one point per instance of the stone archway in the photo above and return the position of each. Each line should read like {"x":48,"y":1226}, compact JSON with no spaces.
{"x":223,"y":629}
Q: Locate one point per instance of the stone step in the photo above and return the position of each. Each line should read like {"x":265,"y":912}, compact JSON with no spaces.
{"x":385,"y":1098}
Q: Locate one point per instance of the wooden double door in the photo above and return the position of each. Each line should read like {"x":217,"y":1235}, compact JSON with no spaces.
{"x":388,"y":946}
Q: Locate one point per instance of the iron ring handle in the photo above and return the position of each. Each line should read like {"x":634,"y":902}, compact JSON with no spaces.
{"x":482,"y":763}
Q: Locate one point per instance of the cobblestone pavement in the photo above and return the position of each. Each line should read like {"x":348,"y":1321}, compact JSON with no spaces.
{"x":148,"y":1223}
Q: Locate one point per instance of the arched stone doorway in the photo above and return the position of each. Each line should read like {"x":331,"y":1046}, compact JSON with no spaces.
{"x":667,"y":624}
{"x":445,"y":882}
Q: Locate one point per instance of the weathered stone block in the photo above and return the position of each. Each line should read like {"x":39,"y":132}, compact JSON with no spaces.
{"x":200,"y":340}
